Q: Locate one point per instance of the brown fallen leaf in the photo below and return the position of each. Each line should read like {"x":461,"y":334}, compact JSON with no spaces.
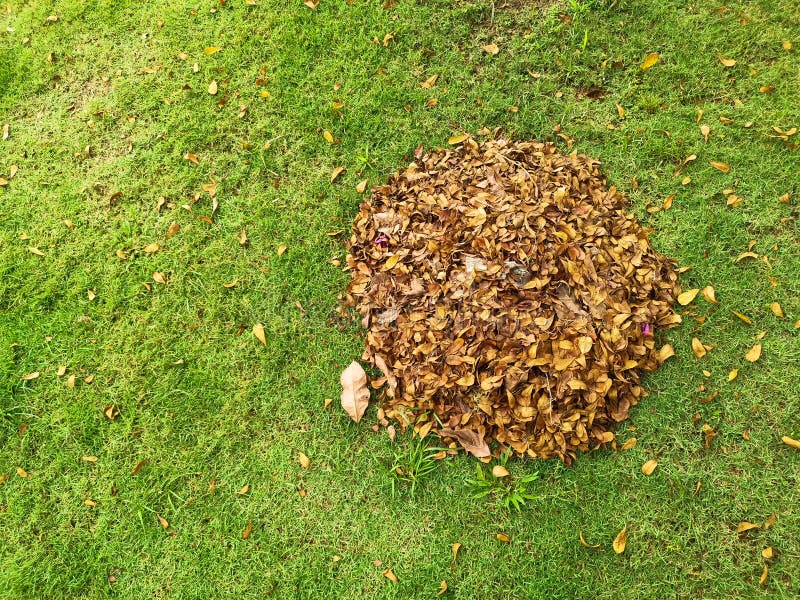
{"x":704,"y":131}
{"x":629,"y":444}
{"x":621,"y":540}
{"x":247,"y":530}
{"x":720,"y":166}
{"x":361,"y":186}
{"x":258,"y":331}
{"x":160,"y":277}
{"x":728,"y":62}
{"x":430,"y":81}
{"x":709,"y":295}
{"x":174,"y":228}
{"x":389,"y":574}
{"x":770,"y":521}
{"x":500,"y":471}
{"x":791,"y":442}
{"x":62,"y":369}
{"x":355,"y":393}
{"x":753,"y":354}
{"x":744,"y":255}
{"x":776,"y":310}
{"x":491,"y":49}
{"x":768,"y":552}
{"x":470,"y":440}
{"x":650,"y":60}
{"x":746,"y":526}
{"x":312,"y":4}
{"x":152,"y":248}
{"x":454,"y":549}
{"x":305,"y":462}
{"x":686,"y":297}
{"x":698,"y":348}
{"x":336,"y":173}
{"x":666,"y":351}
{"x":138,"y":467}
{"x":764,"y":574}
{"x":649,"y":467}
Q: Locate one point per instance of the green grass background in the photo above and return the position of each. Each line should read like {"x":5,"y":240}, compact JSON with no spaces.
{"x":109,"y":76}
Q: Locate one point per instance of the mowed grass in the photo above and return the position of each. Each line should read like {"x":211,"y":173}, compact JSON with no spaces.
{"x":103,"y":105}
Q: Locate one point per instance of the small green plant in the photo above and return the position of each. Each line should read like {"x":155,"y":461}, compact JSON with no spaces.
{"x":503,"y":489}
{"x":410,"y":464}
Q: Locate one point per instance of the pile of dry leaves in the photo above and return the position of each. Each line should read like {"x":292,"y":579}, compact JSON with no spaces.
{"x":508,"y":295}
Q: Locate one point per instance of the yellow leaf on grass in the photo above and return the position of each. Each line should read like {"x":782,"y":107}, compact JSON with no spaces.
{"x":650,"y":60}
{"x":328,"y":136}
{"x":336,"y":172}
{"x":90,"y":503}
{"x":23,"y":473}
{"x":768,"y":552}
{"x":491,"y":49}
{"x":621,"y":540}
{"x":584,"y":543}
{"x":312,"y":4}
{"x":160,"y":277}
{"x":771,"y":520}
{"x":305,"y":462}
{"x":687,"y":296}
{"x":620,"y":110}
{"x":666,"y":351}
{"x":503,"y":538}
{"x":720,"y":166}
{"x":164,"y":523}
{"x":173,"y":229}
{"x":630,"y":443}
{"x":212,"y":87}
{"x":35,"y":250}
{"x":746,"y":526}
{"x":389,"y":574}
{"x":429,"y":82}
{"x":649,"y":467}
{"x":244,"y":490}
{"x":30,"y":376}
{"x":786,"y":45}
{"x":258,"y":331}
{"x":62,"y":369}
{"x":742,"y":317}
{"x":91,"y":459}
{"x":281,"y":249}
{"x":500,"y":471}
{"x":728,"y":62}
{"x":776,"y":310}
{"x":212,"y":50}
{"x":152,"y":248}
{"x":709,"y":295}
{"x":457,"y":139}
{"x":443,"y":588}
{"x":753,"y":354}
{"x":705,"y":130}
{"x":71,"y":381}
{"x":733,"y":374}
{"x":455,"y":548}
{"x":698,"y":348}
{"x":790,"y":442}
{"x":247,"y":530}
{"x":764,"y":574}
{"x":361,"y":186}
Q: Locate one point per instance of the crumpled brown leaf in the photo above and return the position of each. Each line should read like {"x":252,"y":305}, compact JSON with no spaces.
{"x":471,"y":441}
{"x":355,"y":393}
{"x":511,"y":294}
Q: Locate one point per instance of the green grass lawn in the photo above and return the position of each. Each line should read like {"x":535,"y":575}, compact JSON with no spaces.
{"x":104,"y":100}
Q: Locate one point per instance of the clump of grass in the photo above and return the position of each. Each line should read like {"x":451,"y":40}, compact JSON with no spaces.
{"x":410,"y":465}
{"x":506,"y":491}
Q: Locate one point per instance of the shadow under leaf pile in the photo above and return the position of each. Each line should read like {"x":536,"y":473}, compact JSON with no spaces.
{"x":508,"y":295}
